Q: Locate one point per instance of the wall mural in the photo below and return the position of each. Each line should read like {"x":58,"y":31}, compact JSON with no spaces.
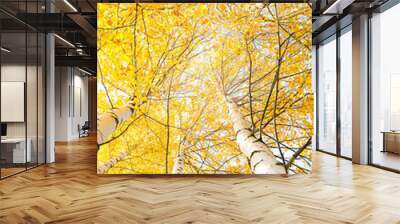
{"x":204,"y":88}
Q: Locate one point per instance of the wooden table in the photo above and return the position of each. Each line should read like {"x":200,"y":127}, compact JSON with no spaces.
{"x":13,"y":150}
{"x":391,"y":141}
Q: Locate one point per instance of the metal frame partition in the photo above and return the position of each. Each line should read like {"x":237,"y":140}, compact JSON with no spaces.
{"x":38,"y":118}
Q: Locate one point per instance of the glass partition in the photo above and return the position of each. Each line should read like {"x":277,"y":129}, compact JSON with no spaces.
{"x":31,"y":99}
{"x":13,"y":95}
{"x":41,"y":96}
{"x":22,"y":88}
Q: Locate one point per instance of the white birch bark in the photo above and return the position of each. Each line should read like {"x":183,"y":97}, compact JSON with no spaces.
{"x":179,"y":164}
{"x":108,"y":122}
{"x":262,"y":160}
{"x":101,"y":169}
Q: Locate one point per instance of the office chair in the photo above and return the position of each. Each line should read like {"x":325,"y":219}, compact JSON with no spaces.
{"x":84,"y":130}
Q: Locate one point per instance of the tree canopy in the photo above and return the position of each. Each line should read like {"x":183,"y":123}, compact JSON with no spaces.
{"x":181,"y":70}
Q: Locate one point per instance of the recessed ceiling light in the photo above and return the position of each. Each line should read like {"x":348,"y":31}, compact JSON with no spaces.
{"x":84,"y":71}
{"x":64,"y":40}
{"x":70,"y":5}
{"x":5,"y":50}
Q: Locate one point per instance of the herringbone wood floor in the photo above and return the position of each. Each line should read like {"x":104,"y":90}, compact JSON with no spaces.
{"x":69,"y":191}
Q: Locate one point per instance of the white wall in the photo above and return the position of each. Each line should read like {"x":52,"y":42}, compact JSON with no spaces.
{"x":9,"y":73}
{"x":71,"y":102}
{"x":62,"y":81}
{"x":80,"y":109}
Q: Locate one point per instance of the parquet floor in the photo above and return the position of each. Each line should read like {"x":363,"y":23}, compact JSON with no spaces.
{"x":69,"y":191}
{"x":10,"y":171}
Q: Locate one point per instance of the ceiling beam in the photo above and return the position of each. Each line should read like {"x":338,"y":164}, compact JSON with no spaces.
{"x":79,"y":61}
{"x":337,"y":7}
{"x":49,"y":22}
{"x":86,"y":27}
{"x":320,"y":23}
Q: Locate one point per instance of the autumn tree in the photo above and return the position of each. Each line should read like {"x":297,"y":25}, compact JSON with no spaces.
{"x":265,"y":75}
{"x":204,"y":88}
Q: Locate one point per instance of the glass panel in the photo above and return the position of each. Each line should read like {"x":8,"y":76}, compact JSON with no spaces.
{"x":13,"y":86}
{"x":346,"y":94}
{"x":22,"y":88}
{"x":31,"y":99}
{"x":385,"y":84}
{"x":41,"y":99}
{"x":327,"y":96}
{"x":32,"y":87}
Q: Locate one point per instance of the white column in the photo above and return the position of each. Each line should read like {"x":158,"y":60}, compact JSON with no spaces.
{"x":50,"y":99}
{"x":360,"y":90}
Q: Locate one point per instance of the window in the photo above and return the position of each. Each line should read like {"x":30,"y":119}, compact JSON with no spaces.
{"x":346,"y":92}
{"x":385,"y":89}
{"x":327,"y":95}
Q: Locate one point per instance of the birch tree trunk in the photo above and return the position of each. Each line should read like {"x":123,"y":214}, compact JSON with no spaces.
{"x":108,"y":122}
{"x":262,"y":160}
{"x":101,"y":169}
{"x":179,"y":164}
